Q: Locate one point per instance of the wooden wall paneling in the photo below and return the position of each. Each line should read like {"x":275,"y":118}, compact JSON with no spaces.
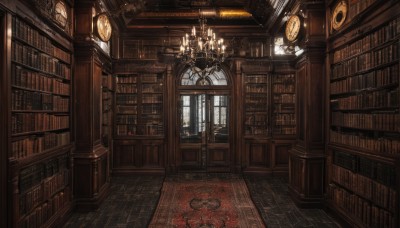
{"x":190,"y":157}
{"x":280,"y":155}
{"x":153,"y":153}
{"x":258,"y":153}
{"x":125,"y":154}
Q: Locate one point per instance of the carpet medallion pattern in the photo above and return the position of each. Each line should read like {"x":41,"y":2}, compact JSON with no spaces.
{"x":211,"y":203}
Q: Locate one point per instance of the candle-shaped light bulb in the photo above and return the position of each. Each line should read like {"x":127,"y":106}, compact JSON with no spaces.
{"x":194,"y":31}
{"x":201,"y":45}
{"x":182,"y":49}
{"x":223,"y":49}
{"x":213,"y":35}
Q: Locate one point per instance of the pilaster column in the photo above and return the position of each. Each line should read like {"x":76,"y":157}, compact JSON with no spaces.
{"x":306,"y":159}
{"x":91,"y":158}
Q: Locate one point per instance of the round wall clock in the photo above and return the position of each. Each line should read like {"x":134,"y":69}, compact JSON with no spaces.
{"x":293,"y":28}
{"x":103,"y":27}
{"x":339,"y":15}
{"x":60,"y":13}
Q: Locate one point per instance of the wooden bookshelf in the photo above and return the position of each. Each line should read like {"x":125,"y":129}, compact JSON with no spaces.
{"x":257,"y":105}
{"x":284,"y":101}
{"x":364,"y":117}
{"x":40,"y":126}
{"x":269,"y":121}
{"x":139,"y":105}
{"x":139,"y":126}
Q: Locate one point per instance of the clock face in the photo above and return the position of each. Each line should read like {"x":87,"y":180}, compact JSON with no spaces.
{"x":103,"y":27}
{"x":60,"y":13}
{"x":339,"y":15}
{"x":293,"y":26}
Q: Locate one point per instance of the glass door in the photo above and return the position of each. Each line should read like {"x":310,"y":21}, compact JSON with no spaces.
{"x":204,"y":132}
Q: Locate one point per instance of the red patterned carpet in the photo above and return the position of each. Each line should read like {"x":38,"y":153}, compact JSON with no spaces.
{"x":205,"y":203}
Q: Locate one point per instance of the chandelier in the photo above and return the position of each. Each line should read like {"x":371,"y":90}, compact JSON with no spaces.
{"x":201,"y":50}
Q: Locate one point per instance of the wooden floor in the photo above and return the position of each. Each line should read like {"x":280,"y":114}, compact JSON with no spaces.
{"x":133,"y":200}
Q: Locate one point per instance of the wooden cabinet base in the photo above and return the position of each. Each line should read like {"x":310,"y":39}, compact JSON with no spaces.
{"x":91,"y":178}
{"x":306,"y":178}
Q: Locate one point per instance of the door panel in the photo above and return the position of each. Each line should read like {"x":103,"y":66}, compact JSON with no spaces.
{"x":204,"y":132}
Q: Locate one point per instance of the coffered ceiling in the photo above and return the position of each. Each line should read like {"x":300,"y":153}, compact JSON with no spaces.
{"x":133,"y":14}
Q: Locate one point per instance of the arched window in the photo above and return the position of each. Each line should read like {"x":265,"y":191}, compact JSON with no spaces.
{"x":207,"y":77}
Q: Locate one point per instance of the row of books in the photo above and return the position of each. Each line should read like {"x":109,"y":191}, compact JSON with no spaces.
{"x":382,"y":145}
{"x":368,"y":214}
{"x":141,"y":129}
{"x":126,"y":99}
{"x":31,"y":57}
{"x":35,"y":144}
{"x":255,"y":98}
{"x":37,"y":81}
{"x":376,"y":192}
{"x":46,"y":210}
{"x":152,"y":98}
{"x":256,"y":88}
{"x":107,"y":82}
{"x":285,"y":130}
{"x":263,"y":130}
{"x":374,"y":79}
{"x":33,"y":122}
{"x":368,"y":100}
{"x":127,"y":78}
{"x":132,"y":109}
{"x":126,"y":88}
{"x":151,"y":119}
{"x":35,"y":196}
{"x":256,"y":119}
{"x":382,"y":172}
{"x":107,"y":104}
{"x":152,"y":88}
{"x":284,"y":108}
{"x":256,"y":107}
{"x":285,"y":79}
{"x":366,"y":61}
{"x":26,"y":100}
{"x":25,"y":32}
{"x":256,"y":79}
{"x":152,"y":78}
{"x":375,"y":39}
{"x":285,"y":98}
{"x":367,"y":121}
{"x":152,"y":109}
{"x":126,"y":119}
{"x":285,"y":119}
{"x":36,"y":174}
{"x":282,"y":88}
{"x":358,"y":6}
